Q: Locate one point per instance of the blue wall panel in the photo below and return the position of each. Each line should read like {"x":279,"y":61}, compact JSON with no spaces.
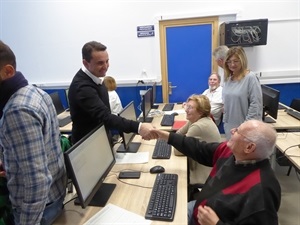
{"x":287,"y":92}
{"x":126,"y":94}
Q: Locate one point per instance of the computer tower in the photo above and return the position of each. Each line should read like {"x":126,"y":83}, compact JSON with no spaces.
{"x":244,"y":33}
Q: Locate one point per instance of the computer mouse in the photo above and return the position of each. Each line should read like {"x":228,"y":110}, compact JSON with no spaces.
{"x":157,"y":169}
{"x":175,"y":114}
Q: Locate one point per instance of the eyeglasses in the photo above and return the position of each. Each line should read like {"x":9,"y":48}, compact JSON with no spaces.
{"x":236,"y":130}
{"x":188,"y":107}
{"x":233,"y":62}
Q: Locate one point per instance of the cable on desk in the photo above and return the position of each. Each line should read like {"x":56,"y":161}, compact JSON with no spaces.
{"x":297,"y":145}
{"x":72,"y":199}
{"x":283,"y":154}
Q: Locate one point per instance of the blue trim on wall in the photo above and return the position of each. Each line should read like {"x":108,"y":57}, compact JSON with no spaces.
{"x":287,"y":92}
{"x":128,"y":94}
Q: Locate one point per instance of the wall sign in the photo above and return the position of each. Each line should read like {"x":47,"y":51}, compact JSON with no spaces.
{"x":145,"y":31}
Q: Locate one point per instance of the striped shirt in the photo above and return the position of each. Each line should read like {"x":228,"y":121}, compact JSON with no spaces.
{"x":31,"y":153}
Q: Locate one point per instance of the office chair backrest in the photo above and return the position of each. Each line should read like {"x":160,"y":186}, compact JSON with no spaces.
{"x":295,"y":104}
{"x":57,"y":102}
{"x":67,"y":95}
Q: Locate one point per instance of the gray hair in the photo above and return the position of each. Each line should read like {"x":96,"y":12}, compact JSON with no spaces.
{"x":220,"y":52}
{"x":264,"y":136}
{"x":218,"y":75}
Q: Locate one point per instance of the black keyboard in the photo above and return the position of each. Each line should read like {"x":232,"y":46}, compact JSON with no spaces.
{"x":168,"y":107}
{"x":162,"y":150}
{"x":167,"y":120}
{"x":64,"y":121}
{"x":293,"y":113}
{"x":162,"y":203}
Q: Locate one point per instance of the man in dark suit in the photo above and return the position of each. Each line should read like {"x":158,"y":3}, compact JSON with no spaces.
{"x":88,"y":97}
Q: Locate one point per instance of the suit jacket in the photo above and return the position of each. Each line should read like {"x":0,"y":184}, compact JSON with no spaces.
{"x":89,"y":107}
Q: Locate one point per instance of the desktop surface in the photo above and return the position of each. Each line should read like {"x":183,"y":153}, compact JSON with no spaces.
{"x":285,"y":121}
{"x":284,"y":143}
{"x":67,"y":129}
{"x":134,"y":198}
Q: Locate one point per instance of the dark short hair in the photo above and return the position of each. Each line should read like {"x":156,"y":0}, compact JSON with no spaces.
{"x":89,"y":47}
{"x":6,"y":56}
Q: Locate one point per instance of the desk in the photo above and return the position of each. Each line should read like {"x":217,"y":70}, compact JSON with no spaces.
{"x":284,"y":141}
{"x":157,"y":118}
{"x":135,"y":199}
{"x":285,"y":122}
{"x":67,"y":129}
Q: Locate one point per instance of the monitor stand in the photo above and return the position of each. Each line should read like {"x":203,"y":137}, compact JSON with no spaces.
{"x":147,"y":120}
{"x":132,"y":148}
{"x":101,"y":196}
{"x":269,"y":120}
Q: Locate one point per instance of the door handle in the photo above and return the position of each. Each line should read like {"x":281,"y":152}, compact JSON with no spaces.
{"x":171,"y":87}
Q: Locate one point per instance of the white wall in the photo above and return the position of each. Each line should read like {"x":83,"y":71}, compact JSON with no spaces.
{"x":47,"y":36}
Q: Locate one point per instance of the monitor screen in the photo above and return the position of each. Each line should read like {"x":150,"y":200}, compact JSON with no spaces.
{"x":270,"y":103}
{"x":128,"y":146}
{"x":88,"y":162}
{"x":146,"y":106}
{"x":57,"y":102}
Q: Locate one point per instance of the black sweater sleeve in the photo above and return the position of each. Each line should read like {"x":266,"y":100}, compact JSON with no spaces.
{"x":199,"y":151}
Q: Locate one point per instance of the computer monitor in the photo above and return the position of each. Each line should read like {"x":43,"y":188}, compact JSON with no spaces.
{"x":57,"y":102}
{"x":128,"y":112}
{"x":270,"y":103}
{"x":153,"y":96}
{"x":146,"y":106}
{"x":88,"y":162}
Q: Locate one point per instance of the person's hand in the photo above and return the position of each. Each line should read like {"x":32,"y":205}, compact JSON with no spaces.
{"x":207,"y":216}
{"x":160,"y":134}
{"x":2,"y":174}
{"x":145,"y":131}
{"x":2,"y":171}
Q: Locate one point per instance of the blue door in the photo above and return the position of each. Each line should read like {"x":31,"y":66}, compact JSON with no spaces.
{"x":189,"y":60}
{"x":188,"y":53}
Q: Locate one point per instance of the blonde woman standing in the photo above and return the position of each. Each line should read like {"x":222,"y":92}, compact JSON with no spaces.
{"x":242,"y":96}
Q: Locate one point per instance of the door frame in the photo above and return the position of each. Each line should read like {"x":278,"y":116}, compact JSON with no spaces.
{"x":163,"y":25}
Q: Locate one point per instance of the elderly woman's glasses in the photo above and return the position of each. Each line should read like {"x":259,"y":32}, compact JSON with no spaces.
{"x":188,"y":107}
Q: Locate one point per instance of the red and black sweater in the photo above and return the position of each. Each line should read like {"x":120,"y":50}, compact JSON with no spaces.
{"x":239,"y":194}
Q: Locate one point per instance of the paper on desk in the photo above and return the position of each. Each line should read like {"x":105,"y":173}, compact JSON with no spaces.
{"x":112,"y":214}
{"x":125,"y":158}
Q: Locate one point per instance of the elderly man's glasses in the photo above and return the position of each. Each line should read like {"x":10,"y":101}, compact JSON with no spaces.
{"x":236,"y":130}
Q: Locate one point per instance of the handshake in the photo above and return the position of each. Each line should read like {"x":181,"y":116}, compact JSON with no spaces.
{"x":148,"y":132}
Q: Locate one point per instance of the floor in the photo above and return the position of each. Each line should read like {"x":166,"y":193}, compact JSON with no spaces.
{"x":289,"y":212}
